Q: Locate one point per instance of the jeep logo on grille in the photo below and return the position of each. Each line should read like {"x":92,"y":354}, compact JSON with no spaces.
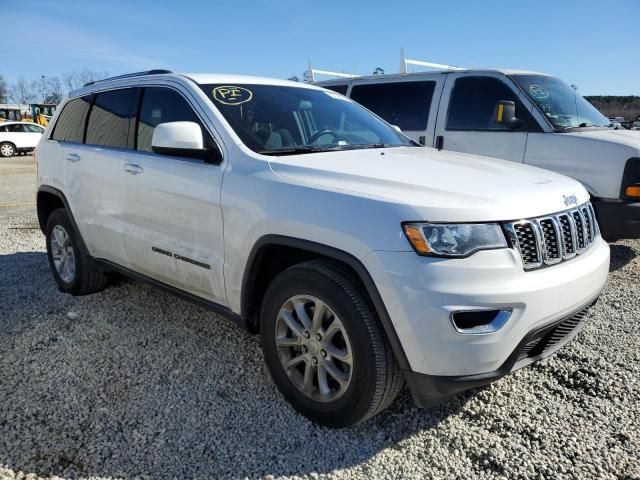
{"x":570,"y":200}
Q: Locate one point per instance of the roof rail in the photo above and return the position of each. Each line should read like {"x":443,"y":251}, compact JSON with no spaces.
{"x":127,"y":75}
{"x":406,"y":61}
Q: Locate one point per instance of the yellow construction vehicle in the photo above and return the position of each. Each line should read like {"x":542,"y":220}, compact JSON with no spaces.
{"x":41,"y":113}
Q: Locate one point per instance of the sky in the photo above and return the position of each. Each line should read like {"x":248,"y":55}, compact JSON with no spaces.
{"x":592,"y":44}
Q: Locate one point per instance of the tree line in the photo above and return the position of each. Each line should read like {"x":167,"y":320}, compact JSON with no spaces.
{"x":46,"y":89}
{"x":617,"y":106}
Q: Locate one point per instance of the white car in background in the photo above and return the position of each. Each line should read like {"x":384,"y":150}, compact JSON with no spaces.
{"x":17,"y":137}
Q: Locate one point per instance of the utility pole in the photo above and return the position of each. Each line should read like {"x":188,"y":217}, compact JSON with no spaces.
{"x":43,"y":89}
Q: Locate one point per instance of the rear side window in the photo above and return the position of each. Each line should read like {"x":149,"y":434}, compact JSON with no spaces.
{"x":70,"y":124}
{"x":473,"y":102}
{"x":404,"y":104}
{"x":16,"y":128}
{"x":337,"y":88}
{"x":161,"y":105}
{"x":111,"y":117}
{"x":34,"y":129}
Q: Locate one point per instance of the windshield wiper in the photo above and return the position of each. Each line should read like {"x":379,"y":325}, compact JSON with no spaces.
{"x":289,"y":151}
{"x":328,"y":148}
{"x":376,"y":145}
{"x":583,"y":125}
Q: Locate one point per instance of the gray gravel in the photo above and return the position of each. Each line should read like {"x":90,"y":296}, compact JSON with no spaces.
{"x":134,"y":383}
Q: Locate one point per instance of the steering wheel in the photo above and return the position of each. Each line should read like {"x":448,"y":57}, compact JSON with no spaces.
{"x":317,"y":135}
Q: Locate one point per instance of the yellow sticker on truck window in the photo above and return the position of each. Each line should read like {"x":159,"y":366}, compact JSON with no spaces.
{"x":231,"y":95}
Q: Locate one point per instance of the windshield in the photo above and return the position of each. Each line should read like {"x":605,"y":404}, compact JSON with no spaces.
{"x":282,"y":120}
{"x":560,"y":103}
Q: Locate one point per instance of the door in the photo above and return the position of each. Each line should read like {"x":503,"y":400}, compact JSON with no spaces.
{"x":405,"y":104}
{"x":34,"y":132}
{"x":18,"y":135}
{"x":466,"y":117}
{"x":173,"y":221}
{"x":93,"y":171}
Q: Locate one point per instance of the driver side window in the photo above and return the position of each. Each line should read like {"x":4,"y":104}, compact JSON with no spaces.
{"x":161,"y":105}
{"x":473,"y":102}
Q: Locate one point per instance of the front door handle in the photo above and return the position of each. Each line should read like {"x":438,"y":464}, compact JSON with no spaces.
{"x":133,"y":169}
{"x":73,"y":157}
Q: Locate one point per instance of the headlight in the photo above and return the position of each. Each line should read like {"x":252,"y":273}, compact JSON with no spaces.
{"x":454,"y":240}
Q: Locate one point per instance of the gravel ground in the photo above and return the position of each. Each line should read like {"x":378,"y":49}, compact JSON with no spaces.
{"x":131,"y":382}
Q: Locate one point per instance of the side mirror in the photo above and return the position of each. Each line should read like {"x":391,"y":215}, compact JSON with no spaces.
{"x":397,"y":128}
{"x":181,"y":139}
{"x":505,"y":115}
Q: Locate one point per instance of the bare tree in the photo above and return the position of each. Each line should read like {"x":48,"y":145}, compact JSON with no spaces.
{"x":74,"y":80}
{"x":54,"y":90}
{"x":4,"y":90}
{"x":21,"y":91}
{"x":47,"y":89}
{"x":69,"y":81}
{"x":39,"y":89}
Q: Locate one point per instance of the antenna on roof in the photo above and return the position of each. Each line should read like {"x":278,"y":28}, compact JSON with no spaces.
{"x":310,"y":74}
{"x":406,"y":61}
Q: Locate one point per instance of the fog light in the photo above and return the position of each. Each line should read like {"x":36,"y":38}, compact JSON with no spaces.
{"x":479,"y":321}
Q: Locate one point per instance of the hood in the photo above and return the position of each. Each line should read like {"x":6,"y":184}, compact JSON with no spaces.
{"x":440,"y":186}
{"x":628,"y":138}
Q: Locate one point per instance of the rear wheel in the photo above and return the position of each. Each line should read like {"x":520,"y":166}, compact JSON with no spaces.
{"x":70,"y":263}
{"x":7,"y":149}
{"x":324,"y":347}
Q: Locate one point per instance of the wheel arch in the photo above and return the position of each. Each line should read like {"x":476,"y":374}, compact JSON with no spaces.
{"x":272,"y":254}
{"x":49,"y":199}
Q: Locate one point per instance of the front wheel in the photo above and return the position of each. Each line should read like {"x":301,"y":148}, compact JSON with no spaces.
{"x":324,"y":347}
{"x":7,"y":149}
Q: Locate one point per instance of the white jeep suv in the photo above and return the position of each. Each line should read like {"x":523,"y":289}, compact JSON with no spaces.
{"x":362,"y":259}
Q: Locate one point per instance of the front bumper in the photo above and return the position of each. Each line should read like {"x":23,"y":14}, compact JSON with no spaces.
{"x":420,"y":294}
{"x":429,"y":390}
{"x":618,"y":218}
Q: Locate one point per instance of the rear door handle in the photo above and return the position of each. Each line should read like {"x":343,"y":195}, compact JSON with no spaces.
{"x":133,"y":169}
{"x":73,"y":157}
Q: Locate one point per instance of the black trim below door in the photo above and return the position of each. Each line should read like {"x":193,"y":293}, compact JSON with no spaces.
{"x":189,"y":297}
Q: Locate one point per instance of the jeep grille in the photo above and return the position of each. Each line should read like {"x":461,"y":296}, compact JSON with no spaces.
{"x":554,"y":238}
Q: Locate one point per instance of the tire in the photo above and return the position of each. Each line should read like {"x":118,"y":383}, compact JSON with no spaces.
{"x":71,"y":264}
{"x":7,"y":149}
{"x":373,"y":378}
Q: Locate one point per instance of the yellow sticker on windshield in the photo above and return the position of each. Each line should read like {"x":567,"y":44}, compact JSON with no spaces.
{"x":230,"y":95}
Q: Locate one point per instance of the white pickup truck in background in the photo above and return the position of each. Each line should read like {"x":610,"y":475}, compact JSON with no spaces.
{"x":520,"y":116}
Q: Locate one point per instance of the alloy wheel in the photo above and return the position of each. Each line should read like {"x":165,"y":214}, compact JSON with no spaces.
{"x":314,"y":348}
{"x":63,"y":255}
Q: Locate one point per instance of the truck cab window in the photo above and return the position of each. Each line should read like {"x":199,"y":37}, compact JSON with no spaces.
{"x":473,"y":102}
{"x":404,"y":104}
